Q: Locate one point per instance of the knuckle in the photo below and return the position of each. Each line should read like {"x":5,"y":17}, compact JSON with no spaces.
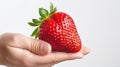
{"x":35,"y":47}
{"x":15,"y":37}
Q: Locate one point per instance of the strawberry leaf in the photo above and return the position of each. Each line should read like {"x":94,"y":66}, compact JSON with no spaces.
{"x":53,"y":11}
{"x":36,"y":21}
{"x":36,"y":35}
{"x":35,"y":32}
{"x":32,"y":24}
{"x":41,"y":18}
{"x":51,"y":7}
{"x":43,"y":12}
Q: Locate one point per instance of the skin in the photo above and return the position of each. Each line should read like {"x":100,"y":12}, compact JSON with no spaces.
{"x":17,"y":50}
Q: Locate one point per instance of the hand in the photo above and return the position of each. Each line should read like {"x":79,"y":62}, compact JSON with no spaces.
{"x":17,"y":50}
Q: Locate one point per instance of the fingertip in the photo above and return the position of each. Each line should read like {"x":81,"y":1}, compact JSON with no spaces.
{"x":45,"y":48}
{"x":78,"y":55}
{"x":39,"y":47}
{"x":85,"y":50}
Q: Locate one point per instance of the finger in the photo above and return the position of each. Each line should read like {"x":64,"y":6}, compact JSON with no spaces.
{"x":35,"y":46}
{"x":38,"y":46}
{"x":85,"y":50}
{"x":55,"y":57}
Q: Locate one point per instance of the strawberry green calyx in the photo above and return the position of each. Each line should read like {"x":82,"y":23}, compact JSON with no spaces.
{"x":44,"y":14}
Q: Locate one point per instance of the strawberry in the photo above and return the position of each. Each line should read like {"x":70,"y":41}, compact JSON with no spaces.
{"x":58,"y":29}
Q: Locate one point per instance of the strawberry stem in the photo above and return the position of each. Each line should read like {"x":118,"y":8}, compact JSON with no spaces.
{"x":44,"y":14}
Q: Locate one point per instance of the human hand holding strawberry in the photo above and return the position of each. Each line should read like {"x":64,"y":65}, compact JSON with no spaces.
{"x":58,"y":29}
{"x":17,"y":50}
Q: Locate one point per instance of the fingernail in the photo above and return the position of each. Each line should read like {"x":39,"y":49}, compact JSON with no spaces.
{"x":45,"y":48}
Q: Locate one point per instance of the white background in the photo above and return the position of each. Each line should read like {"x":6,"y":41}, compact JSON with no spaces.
{"x":97,"y":21}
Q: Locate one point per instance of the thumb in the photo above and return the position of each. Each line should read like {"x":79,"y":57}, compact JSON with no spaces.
{"x":38,"y":47}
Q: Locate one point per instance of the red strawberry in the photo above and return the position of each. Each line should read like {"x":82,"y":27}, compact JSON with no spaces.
{"x":58,"y":29}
